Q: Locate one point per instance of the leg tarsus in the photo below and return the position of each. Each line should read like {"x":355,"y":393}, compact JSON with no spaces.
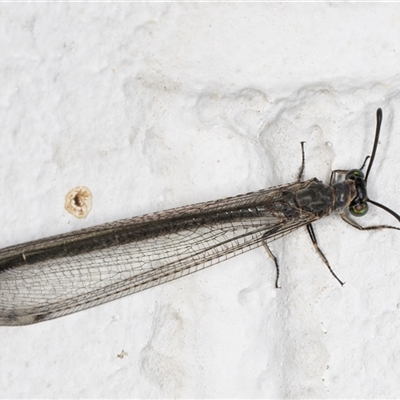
{"x":301,"y":171}
{"x":354,"y":224}
{"x":268,"y":250}
{"x":365,"y":161}
{"x":319,"y":251}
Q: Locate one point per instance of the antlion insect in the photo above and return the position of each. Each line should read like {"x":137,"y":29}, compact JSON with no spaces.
{"x":63,"y":274}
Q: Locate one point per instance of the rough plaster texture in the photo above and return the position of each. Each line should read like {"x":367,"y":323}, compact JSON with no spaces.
{"x":153,"y":106}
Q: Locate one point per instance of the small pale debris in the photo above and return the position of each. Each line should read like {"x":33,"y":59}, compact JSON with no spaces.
{"x":122,"y":354}
{"x":78,"y":201}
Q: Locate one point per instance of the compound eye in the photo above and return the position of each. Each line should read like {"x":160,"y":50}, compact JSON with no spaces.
{"x":359,"y":210}
{"x":354,"y":173}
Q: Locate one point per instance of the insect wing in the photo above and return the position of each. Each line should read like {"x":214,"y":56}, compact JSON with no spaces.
{"x":63,"y":285}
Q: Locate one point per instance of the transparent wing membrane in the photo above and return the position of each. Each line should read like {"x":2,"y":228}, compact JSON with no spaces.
{"x":165,"y":246}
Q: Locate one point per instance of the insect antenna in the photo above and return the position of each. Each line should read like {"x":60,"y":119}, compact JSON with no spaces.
{"x":387,"y":209}
{"x":377,"y":132}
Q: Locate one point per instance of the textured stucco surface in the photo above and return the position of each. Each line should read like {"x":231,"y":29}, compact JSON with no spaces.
{"x":153,"y":106}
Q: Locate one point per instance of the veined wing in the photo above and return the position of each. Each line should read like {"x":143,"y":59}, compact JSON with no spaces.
{"x":64,"y":274}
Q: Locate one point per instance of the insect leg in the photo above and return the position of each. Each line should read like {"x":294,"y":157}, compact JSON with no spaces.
{"x":319,"y":251}
{"x":344,"y":172}
{"x":354,"y":224}
{"x":365,"y":161}
{"x":334,"y":173}
{"x":300,"y":175}
{"x":275,"y":261}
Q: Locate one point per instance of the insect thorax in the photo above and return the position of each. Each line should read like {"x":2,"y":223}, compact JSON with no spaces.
{"x":316,"y":198}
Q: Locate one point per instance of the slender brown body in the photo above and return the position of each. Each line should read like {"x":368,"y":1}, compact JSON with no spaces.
{"x":59,"y":275}
{"x":63,"y":274}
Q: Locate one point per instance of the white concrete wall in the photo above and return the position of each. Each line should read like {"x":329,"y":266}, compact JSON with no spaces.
{"x":153,"y":106}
